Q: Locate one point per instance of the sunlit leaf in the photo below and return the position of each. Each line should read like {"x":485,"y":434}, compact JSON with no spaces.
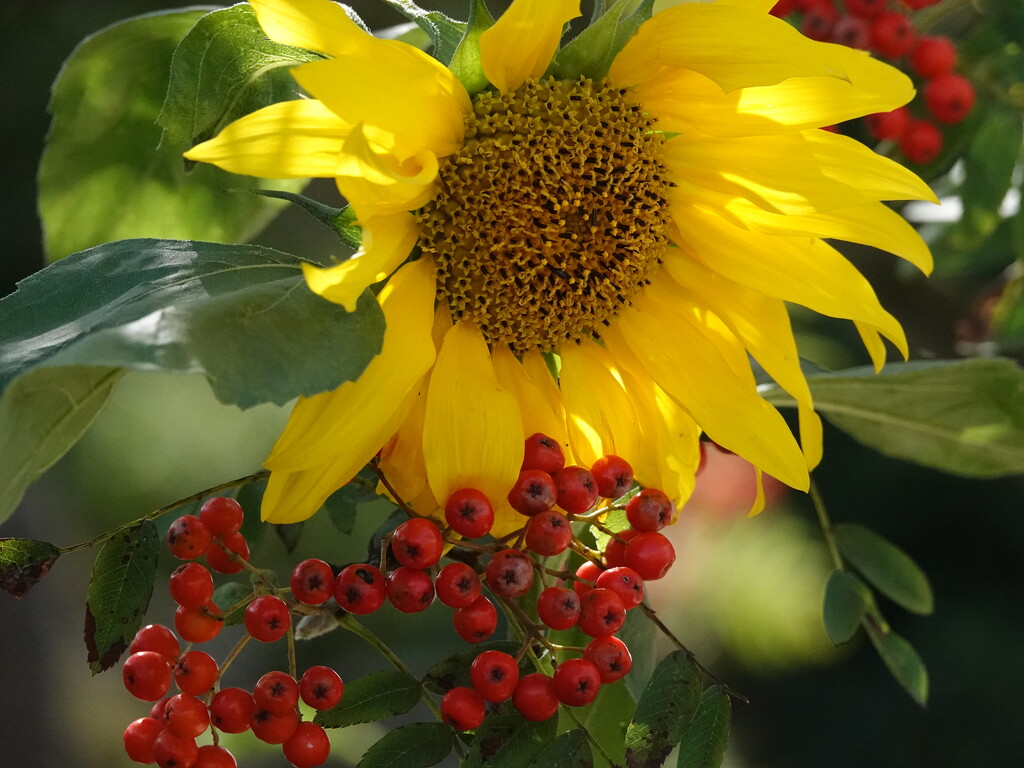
{"x":590,"y":54}
{"x":663,"y":711}
{"x":373,"y":697}
{"x":706,"y":737}
{"x":23,"y":562}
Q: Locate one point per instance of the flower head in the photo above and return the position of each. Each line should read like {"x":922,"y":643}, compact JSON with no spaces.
{"x":600,"y":253}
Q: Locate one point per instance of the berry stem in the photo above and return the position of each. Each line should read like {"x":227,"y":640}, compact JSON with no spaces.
{"x":826,"y":525}
{"x":230,"y":658}
{"x":398,"y":500}
{"x":293,"y":666}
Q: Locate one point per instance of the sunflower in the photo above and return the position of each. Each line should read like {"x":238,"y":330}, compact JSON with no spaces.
{"x":596,"y":255}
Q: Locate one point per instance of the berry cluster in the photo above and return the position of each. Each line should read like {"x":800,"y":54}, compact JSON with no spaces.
{"x":883,"y":27}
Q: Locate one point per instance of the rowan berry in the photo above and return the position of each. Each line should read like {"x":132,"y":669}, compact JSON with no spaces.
{"x":601,"y":613}
{"x":892,"y":34}
{"x":158,"y":638}
{"x":586,"y":575}
{"x":222,"y":516}
{"x":274,"y":727}
{"x":783,"y":8}
{"x":888,"y":126}
{"x":548,"y":533}
{"x":611,"y":657}
{"x":220,"y":561}
{"x":933,"y":55}
{"x":576,"y":682}
{"x":650,"y":510}
{"x":866,"y":9}
{"x":173,"y":751}
{"x":494,"y":675}
{"x":276,"y":691}
{"x":558,"y":607}
{"x":211,"y":756}
{"x":196,"y":672}
{"x":187,"y":538}
{"x":457,"y":585}
{"x":360,"y":589}
{"x":417,"y":543}
{"x":615,"y":549}
{"x":476,"y":622}
{"x":949,"y":97}
{"x":469,"y":513}
{"x":543,"y":453}
{"x":818,"y":22}
{"x":157,"y":710}
{"x":613,"y":474}
{"x":577,"y":489}
{"x":921,"y":143}
{"x":147,"y":675}
{"x":186,"y":715}
{"x":624,"y":582}
{"x":321,"y":687}
{"x":918,"y":4}
{"x":231,"y":710}
{"x":312,"y":582}
{"x":853,"y":32}
{"x":650,"y":554}
{"x":308,"y":746}
{"x":534,"y":491}
{"x":139,"y":737}
{"x":191,"y":585}
{"x":510,"y":573}
{"x":463,"y":708}
{"x":267,"y":618}
{"x":409,"y":589}
{"x":535,"y":697}
{"x":198,"y":625}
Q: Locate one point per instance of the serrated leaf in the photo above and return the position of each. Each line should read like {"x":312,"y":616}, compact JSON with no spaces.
{"x":590,"y":54}
{"x":240,"y":315}
{"x":886,"y":566}
{"x":706,"y":737}
{"x":120,"y":586}
{"x":663,"y":712}
{"x":23,"y":562}
{"x":641,"y":636}
{"x":374,"y":697}
{"x":465,"y":63}
{"x":509,"y":741}
{"x":229,"y":594}
{"x":454,"y":671}
{"x":616,"y":522}
{"x":445,"y":33}
{"x":104,"y":175}
{"x":843,"y":606}
{"x":42,"y":415}
{"x":416,"y":745}
{"x":964,"y":417}
{"x":569,"y":750}
{"x":224,"y":68}
{"x":607,"y":718}
{"x":903,"y":662}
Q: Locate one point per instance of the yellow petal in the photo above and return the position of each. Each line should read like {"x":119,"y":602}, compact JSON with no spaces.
{"x":873,"y":344}
{"x":316,"y":25}
{"x":401,"y":458}
{"x":290,"y":139}
{"x":523,"y":41}
{"x":472,"y":432}
{"x":762,"y":6}
{"x":731,"y":46}
{"x":758,"y":504}
{"x":538,"y":410}
{"x":387,"y":242}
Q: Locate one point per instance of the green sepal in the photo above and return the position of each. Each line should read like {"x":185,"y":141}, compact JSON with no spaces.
{"x":590,"y":54}
{"x":341,"y":221}
{"x":445,"y":33}
{"x":465,"y":63}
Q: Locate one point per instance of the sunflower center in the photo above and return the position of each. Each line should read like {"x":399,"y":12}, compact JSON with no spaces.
{"x":551,"y":216}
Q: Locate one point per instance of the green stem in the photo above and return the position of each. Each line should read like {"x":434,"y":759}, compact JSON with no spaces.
{"x":826,"y":525}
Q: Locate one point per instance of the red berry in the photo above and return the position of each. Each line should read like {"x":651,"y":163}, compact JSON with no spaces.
{"x":139,"y":737}
{"x":231,"y":710}
{"x":889,"y":126}
{"x":312,"y":582}
{"x":586,"y":574}
{"x":577,"y":489}
{"x":949,"y":97}
{"x":308,"y":746}
{"x":624,"y":582}
{"x":892,"y":35}
{"x":548,"y":533}
{"x":158,"y":638}
{"x":510,"y":573}
{"x":463,"y":708}
{"x":417,"y":543}
{"x":576,"y":682}
{"x":476,"y":622}
{"x":212,"y":756}
{"x":650,"y":510}
{"x":274,"y":727}
{"x":611,"y":657}
{"x":867,"y":9}
{"x":650,"y":554}
{"x":321,"y":687}
{"x":220,"y":561}
{"x":921,"y":142}
{"x":469,"y":513}
{"x":818,"y":22}
{"x":157,"y":710}
{"x":360,"y":589}
{"x":410,"y":590}
{"x":173,"y":751}
{"x":147,"y":675}
{"x":267,"y":618}
{"x":614,"y":476}
{"x":198,"y":625}
{"x":543,"y":453}
{"x":615,"y":549}
{"x":933,"y":55}
{"x":559,"y":607}
{"x":196,"y":672}
{"x":191,"y":585}
{"x":783,"y":8}
{"x":494,"y":675}
{"x":918,"y":4}
{"x":222,"y":516}
{"x":186,"y":715}
{"x":457,"y":585}
{"x":601,"y":613}
{"x":276,"y":691}
{"x":188,"y":538}
{"x":535,"y":697}
{"x":533,"y":492}
{"x":853,"y":32}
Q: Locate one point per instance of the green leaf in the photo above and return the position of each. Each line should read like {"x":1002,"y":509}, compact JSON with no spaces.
{"x":903,"y":662}
{"x":416,"y":745}
{"x":846,"y":599}
{"x":229,"y":594}
{"x":641,"y":636}
{"x":963,"y":417}
{"x":42,"y":415}
{"x":290,"y":534}
{"x":990,"y":159}
{"x":343,"y":504}
{"x":590,"y":54}
{"x":454,"y":671}
{"x":706,"y":737}
{"x":886,"y":566}
{"x":616,"y":522}
{"x":374,"y":697}
{"x":465,"y":63}
{"x":120,"y":586}
{"x":240,"y":315}
{"x":23,"y":562}
{"x":224,"y":68}
{"x":569,"y":750}
{"x":445,"y":32}
{"x":607,"y":718}
{"x":665,"y":708}
{"x":104,"y":174}
{"x":509,"y":741}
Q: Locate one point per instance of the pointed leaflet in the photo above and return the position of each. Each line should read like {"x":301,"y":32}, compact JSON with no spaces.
{"x":706,"y":737}
{"x":903,"y":662}
{"x":846,"y":599}
{"x":886,"y":566}
{"x":120,"y":586}
{"x":23,"y":562}
{"x":509,"y":741}
{"x":663,"y":712}
{"x":465,"y":63}
{"x":570,"y":750}
{"x":374,"y":697}
{"x":416,"y":745}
